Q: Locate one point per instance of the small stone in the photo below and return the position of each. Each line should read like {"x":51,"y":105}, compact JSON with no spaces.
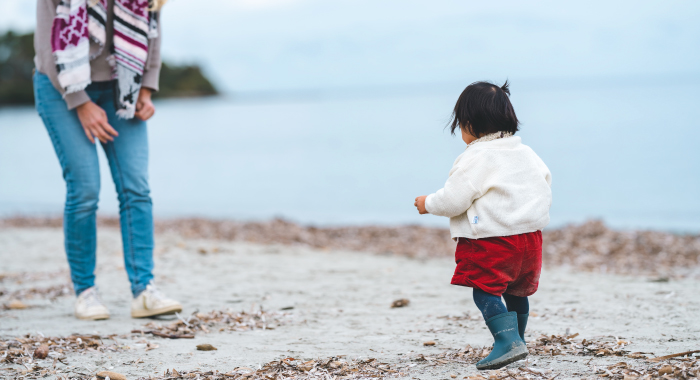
{"x":111,"y":375}
{"x":453,"y":376}
{"x":403,"y":302}
{"x":665,"y":370}
{"x":429,"y":343}
{"x":17,"y":305}
{"x":206,"y":347}
{"x":41,"y":352}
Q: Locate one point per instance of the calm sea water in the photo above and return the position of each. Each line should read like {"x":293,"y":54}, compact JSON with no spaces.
{"x":625,"y":153}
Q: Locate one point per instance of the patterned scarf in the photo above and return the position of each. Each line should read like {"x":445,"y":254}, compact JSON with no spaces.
{"x":77,"y":22}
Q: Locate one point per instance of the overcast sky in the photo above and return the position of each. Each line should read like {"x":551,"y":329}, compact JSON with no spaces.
{"x":295,"y":44}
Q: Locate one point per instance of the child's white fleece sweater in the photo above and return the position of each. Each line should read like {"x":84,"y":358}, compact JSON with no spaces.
{"x":496,"y":188}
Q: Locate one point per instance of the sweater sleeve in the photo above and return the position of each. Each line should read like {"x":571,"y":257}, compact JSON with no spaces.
{"x":44,"y":61}
{"x":545,"y":170}
{"x":455,"y":198}
{"x":151,"y":73}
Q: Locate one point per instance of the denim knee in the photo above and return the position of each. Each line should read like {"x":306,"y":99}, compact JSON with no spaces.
{"x":82,"y":196}
{"x":134,"y":194}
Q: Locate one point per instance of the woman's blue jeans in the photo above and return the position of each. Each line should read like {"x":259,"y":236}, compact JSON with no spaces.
{"x":128,"y":162}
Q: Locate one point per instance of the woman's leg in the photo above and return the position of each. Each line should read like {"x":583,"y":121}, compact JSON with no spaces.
{"x":81,"y":172}
{"x":128,"y":162}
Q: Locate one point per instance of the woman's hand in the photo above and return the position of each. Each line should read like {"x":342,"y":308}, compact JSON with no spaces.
{"x":144,"y":106}
{"x":420,"y":204}
{"x":94,"y":122}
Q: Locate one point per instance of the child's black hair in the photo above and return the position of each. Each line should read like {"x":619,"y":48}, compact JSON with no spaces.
{"x":484,"y":108}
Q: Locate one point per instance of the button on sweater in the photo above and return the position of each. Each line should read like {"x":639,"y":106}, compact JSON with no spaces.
{"x":495,"y":188}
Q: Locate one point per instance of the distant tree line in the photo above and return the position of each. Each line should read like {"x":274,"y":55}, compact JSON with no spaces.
{"x":17,"y":64}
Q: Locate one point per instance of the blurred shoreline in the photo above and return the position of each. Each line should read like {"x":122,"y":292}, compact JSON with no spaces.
{"x":590,"y":246}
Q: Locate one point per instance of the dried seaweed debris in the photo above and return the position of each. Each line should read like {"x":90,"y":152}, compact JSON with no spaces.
{"x":28,"y":351}
{"x":217,"y":320}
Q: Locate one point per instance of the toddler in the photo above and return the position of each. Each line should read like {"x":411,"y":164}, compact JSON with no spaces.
{"x":497,"y":197}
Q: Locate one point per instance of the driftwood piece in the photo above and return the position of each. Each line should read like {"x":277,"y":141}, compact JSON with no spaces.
{"x":661,"y":358}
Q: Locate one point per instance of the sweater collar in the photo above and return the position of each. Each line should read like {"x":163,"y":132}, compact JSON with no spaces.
{"x":490,"y":137}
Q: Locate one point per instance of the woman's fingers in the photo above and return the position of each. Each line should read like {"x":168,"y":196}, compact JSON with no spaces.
{"x":108,"y":129}
{"x":145,"y":112}
{"x":93,"y":132}
{"x":103,"y":126}
{"x":99,"y":130}
{"x":95,"y":123}
{"x":88,"y":134}
{"x":101,"y":135}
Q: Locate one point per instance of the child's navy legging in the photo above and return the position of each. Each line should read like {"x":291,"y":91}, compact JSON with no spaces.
{"x":491,"y":305}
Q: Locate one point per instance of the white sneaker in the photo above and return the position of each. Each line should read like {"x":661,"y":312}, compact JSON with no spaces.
{"x":89,"y":305}
{"x":152,"y":302}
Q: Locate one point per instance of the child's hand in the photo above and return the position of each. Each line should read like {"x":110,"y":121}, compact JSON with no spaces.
{"x":420,"y":204}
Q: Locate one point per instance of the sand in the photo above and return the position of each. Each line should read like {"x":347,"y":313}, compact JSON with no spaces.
{"x":338,"y":303}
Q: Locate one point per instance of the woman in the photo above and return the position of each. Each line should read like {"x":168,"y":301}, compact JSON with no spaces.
{"x":97,"y":62}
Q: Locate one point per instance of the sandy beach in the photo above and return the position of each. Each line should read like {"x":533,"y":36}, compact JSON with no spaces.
{"x":295,"y":170}
{"x":297,"y":303}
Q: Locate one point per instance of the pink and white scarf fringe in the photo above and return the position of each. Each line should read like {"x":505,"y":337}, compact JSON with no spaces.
{"x":77,"y":22}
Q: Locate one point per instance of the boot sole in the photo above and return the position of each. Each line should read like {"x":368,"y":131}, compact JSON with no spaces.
{"x":99,"y":317}
{"x":152,"y":313}
{"x":504,"y":362}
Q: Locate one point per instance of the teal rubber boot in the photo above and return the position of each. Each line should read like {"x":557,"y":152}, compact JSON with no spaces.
{"x":508,"y":347}
{"x":522,"y":324}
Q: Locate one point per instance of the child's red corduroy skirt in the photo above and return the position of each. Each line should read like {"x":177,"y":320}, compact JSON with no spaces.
{"x":501,"y":264}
